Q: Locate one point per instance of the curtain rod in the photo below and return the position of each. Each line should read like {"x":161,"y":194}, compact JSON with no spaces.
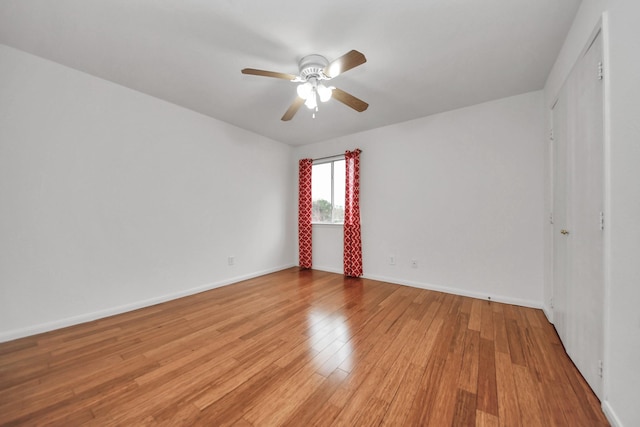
{"x":330,"y":157}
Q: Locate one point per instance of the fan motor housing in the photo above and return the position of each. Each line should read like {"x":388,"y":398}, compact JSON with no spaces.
{"x":313,"y":66}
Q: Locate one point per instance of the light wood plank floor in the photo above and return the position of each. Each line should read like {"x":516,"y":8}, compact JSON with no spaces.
{"x":300,"y":347}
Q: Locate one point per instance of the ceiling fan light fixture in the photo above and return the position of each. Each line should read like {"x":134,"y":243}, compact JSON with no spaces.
{"x":324,"y":92}
{"x":304,"y":90}
{"x":313,"y":70}
{"x":311,"y":101}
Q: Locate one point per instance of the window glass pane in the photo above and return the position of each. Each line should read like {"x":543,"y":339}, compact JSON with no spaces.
{"x":321,"y":192}
{"x":338,"y":191}
{"x":328,"y":205}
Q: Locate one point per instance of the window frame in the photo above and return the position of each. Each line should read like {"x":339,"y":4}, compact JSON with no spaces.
{"x":322,"y":161}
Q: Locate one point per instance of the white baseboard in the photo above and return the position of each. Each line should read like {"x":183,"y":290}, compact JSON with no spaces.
{"x":88,"y":317}
{"x":445,"y":289}
{"x":610,"y":414}
{"x":548,"y":312}
{"x":328,"y":269}
{"x":457,"y":291}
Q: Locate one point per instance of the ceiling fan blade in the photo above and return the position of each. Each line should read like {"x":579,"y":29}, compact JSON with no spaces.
{"x":293,"y":109}
{"x":349,"y":100}
{"x":346,"y":62}
{"x":264,"y":73}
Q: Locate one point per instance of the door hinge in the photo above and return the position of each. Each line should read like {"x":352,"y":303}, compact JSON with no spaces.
{"x":551,"y":218}
{"x":601,"y":220}
{"x":600,"y":368}
{"x":551,"y":303}
{"x":551,"y":135}
{"x":600,"y":70}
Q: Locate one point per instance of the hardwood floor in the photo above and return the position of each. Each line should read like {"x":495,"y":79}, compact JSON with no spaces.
{"x":300,"y":348}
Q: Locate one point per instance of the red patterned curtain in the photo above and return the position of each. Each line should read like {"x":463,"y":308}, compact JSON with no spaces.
{"x":352,"y":240}
{"x":304,"y":212}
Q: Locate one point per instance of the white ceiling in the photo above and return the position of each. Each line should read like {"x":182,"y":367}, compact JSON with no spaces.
{"x":423,"y":56}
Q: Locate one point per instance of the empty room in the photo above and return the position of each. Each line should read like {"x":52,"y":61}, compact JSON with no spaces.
{"x":349,"y":213}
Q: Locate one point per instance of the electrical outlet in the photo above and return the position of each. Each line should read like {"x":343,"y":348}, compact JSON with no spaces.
{"x":392,"y":260}
{"x":232,"y":260}
{"x":414,"y":263}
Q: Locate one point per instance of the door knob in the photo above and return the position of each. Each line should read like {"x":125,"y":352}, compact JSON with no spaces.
{"x":563,"y":231}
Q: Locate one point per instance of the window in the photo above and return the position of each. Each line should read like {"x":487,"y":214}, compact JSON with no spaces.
{"x":327,"y":191}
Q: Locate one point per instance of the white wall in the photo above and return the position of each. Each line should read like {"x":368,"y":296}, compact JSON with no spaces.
{"x":622,"y":164}
{"x":111,"y":199}
{"x":461,"y":192}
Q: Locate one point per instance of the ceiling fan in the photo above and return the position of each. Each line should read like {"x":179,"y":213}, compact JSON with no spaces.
{"x":314,"y":69}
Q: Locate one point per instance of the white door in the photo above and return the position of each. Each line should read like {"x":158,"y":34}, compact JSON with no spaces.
{"x":579,"y":215}
{"x":561,"y":195}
